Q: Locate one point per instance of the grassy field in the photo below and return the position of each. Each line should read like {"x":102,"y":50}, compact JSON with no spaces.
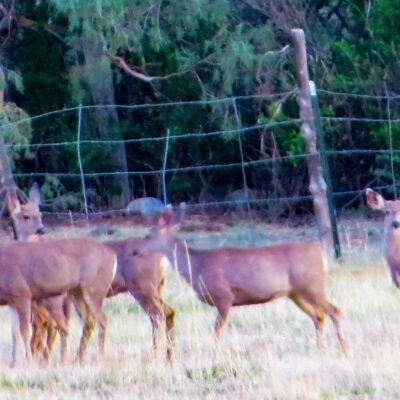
{"x":265,"y":352}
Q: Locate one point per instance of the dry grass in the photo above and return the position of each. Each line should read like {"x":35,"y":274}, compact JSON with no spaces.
{"x":266,"y":351}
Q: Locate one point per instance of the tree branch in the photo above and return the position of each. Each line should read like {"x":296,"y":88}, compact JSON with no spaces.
{"x":122,"y":64}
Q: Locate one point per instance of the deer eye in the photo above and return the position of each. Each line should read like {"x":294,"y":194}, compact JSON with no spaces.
{"x":26,"y":217}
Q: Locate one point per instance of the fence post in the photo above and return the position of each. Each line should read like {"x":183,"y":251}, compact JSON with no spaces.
{"x":81,"y":164}
{"x":164,"y":168}
{"x":317,"y":184}
{"x":390,"y":140}
{"x":239,"y":125}
{"x":325,"y":169}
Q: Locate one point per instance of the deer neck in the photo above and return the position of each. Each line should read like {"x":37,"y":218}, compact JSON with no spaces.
{"x":183,"y":259}
{"x":392,"y":245}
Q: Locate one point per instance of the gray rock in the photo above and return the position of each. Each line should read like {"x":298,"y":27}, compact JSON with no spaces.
{"x":146,"y":206}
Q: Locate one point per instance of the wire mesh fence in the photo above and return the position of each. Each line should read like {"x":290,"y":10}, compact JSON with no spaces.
{"x":250,"y":160}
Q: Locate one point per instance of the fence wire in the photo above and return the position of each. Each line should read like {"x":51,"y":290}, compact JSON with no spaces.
{"x":253,"y":161}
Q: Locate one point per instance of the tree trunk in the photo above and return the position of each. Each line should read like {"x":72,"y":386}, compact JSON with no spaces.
{"x":98,"y":75}
{"x":8,"y":185}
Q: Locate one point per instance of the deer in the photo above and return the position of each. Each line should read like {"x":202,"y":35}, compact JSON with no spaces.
{"x":229,"y":276}
{"x":143,"y":279}
{"x":391,"y":228}
{"x":82,"y":268}
{"x":27,"y":225}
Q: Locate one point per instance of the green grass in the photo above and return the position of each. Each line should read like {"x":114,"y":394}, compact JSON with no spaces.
{"x":265,"y":352}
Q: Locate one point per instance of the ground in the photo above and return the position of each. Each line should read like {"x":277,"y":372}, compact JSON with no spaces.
{"x":266,"y":351}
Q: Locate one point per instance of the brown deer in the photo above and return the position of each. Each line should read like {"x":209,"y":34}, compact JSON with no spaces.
{"x":142,"y":278}
{"x":26,"y":221}
{"x":228,"y":276}
{"x":82,"y":268}
{"x":392,"y":231}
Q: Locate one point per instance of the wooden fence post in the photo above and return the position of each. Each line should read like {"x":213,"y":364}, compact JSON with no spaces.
{"x":317,"y":185}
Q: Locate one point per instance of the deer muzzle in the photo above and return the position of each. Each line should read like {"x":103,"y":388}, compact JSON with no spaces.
{"x":395,"y":224}
{"x":40,"y":231}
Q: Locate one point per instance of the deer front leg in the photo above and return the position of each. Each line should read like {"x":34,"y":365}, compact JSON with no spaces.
{"x":22,"y":320}
{"x":223,"y":307}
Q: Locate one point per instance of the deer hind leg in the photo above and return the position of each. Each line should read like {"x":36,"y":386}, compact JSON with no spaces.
{"x":316,"y":313}
{"x":90,"y":309}
{"x":59,"y":309}
{"x":89,"y":322}
{"x":334,"y":314}
{"x":102,"y":333}
{"x":169,"y":313}
{"x":156,"y":314}
{"x":51,"y":333}
{"x":40,"y":319}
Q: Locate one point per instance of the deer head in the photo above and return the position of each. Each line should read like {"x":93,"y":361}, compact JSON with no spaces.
{"x":392,"y":231}
{"x":26,"y":218}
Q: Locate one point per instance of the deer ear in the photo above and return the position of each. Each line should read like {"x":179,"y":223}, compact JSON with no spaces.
{"x":34,"y":194}
{"x":168,"y":219}
{"x":375,"y":200}
{"x":13,"y":204}
{"x":165,"y":219}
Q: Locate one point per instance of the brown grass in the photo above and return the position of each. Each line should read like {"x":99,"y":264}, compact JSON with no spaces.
{"x":265,"y":352}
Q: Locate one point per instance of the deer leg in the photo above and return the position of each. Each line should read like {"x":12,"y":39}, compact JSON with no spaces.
{"x":102,"y":333}
{"x":39,"y":322}
{"x":394,"y":274}
{"x":90,"y":310}
{"x":89,"y":323}
{"x":169,"y":313}
{"x":317,"y":315}
{"x":18,"y":345}
{"x":334,"y":314}
{"x":156,"y":315}
{"x":52,"y":330}
{"x":59,"y":308}
{"x":223,"y":307}
{"x":22,"y":306}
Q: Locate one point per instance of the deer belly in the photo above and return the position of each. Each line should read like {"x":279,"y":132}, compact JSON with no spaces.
{"x":258,"y":287}
{"x":55,"y":283}
{"x":243,"y":297}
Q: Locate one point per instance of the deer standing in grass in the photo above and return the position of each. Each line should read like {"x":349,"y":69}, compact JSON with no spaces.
{"x":392,"y":231}
{"x":81,"y":268}
{"x":26,"y":221}
{"x":142,"y":278}
{"x":228,"y":276}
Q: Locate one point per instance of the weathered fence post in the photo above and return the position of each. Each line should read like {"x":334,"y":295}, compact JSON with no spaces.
{"x":78,"y":150}
{"x":317,"y":185}
{"x":325,"y":168}
{"x":164,"y":179}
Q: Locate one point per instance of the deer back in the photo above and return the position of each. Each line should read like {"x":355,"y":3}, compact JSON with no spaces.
{"x":49,"y":268}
